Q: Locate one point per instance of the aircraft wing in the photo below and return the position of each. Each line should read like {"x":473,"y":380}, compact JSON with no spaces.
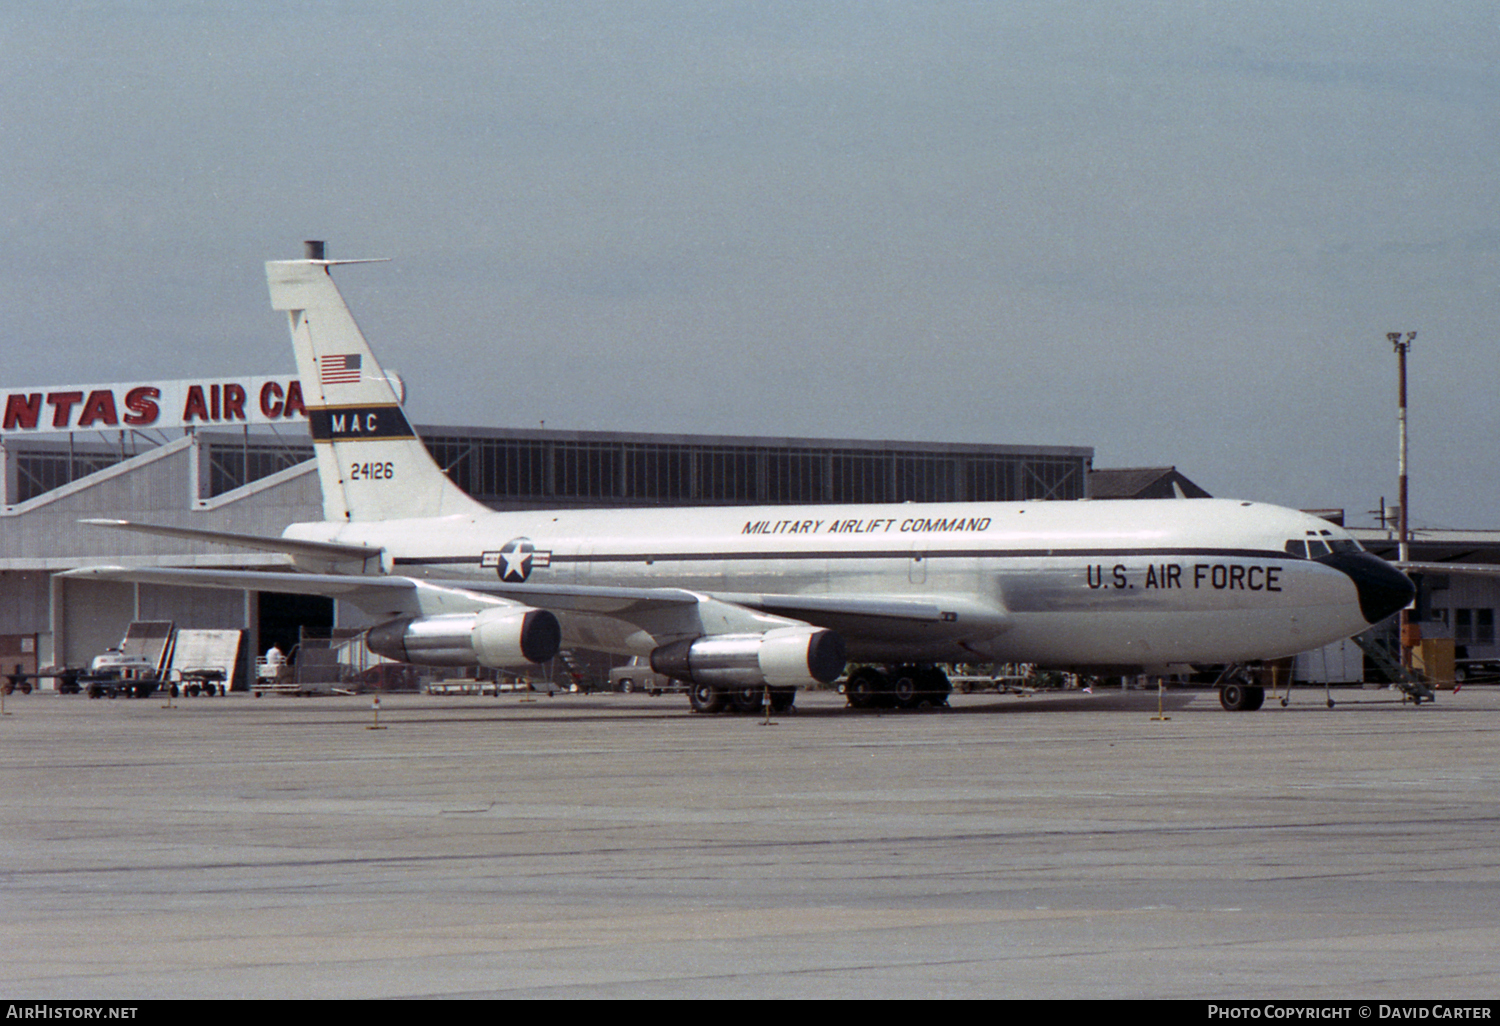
{"x":678,"y":613}
{"x":612,"y":618}
{"x":1474,"y":569}
{"x":607,"y":618}
{"x":888,"y":620}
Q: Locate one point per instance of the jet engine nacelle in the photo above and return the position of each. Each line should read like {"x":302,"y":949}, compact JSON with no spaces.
{"x":504,"y":636}
{"x":784,"y":657}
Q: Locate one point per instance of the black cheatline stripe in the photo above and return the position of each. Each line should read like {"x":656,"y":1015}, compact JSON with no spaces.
{"x":689,"y":557}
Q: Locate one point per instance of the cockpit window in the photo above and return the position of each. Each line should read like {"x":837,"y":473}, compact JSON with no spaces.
{"x":1320,"y":543}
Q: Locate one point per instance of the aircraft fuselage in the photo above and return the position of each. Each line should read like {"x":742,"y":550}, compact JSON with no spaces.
{"x":1141,"y":583}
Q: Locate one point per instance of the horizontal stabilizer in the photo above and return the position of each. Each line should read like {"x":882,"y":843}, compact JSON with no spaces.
{"x":392,"y":596}
{"x":330,"y":554}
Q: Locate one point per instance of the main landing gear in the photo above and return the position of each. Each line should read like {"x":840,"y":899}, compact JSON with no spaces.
{"x":900,"y":687}
{"x":710,"y":698}
{"x":869,"y":687}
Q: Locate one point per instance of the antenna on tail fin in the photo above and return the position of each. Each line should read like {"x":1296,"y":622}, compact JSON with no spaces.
{"x":371,"y":463}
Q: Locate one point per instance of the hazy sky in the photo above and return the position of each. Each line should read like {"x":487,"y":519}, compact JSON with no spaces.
{"x":1175,"y":231}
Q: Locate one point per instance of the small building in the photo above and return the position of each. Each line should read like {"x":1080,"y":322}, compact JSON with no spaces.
{"x":1458,"y":588}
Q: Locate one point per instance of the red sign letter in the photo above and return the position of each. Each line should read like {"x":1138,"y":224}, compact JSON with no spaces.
{"x":22,"y":410}
{"x":234,"y":402}
{"x":196,"y":406}
{"x":140,"y":402}
{"x":62,"y":403}
{"x":294,"y":404}
{"x":270,"y":399}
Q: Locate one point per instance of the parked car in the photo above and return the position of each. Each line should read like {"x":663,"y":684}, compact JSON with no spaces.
{"x":637,"y":675}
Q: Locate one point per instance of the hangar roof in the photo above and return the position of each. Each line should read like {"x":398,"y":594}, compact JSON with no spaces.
{"x":1142,"y":483}
{"x":1435,"y":545}
{"x":164,"y":485}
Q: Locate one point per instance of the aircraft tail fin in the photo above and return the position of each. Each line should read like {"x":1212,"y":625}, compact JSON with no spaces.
{"x":371,"y":463}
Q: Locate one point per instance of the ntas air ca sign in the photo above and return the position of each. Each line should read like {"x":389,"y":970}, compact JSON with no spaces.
{"x":156,"y":404}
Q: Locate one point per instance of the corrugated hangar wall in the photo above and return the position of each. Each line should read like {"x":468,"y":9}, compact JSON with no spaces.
{"x":75,"y":620}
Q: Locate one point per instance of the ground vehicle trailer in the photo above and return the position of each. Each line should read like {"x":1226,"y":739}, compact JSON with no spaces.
{"x":156,"y":654}
{"x":202,"y":661}
{"x":114,"y":673}
{"x":18,"y":681}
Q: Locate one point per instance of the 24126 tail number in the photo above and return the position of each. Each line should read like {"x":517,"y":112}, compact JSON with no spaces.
{"x":372,"y":471}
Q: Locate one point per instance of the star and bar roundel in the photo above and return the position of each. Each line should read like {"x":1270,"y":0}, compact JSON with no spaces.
{"x":516,"y":559}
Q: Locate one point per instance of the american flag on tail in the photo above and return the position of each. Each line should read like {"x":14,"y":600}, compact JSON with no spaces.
{"x":340,"y":370}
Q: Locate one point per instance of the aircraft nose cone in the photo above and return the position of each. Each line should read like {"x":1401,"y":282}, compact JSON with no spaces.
{"x":1382,"y":588}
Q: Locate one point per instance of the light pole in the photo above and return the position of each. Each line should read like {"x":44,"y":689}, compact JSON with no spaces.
{"x":1402,"y":346}
{"x":1403,"y":531}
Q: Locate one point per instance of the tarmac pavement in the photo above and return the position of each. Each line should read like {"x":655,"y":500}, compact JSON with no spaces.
{"x":619,"y":846}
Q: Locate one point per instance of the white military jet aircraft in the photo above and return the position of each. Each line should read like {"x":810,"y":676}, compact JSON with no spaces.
{"x":743,"y":601}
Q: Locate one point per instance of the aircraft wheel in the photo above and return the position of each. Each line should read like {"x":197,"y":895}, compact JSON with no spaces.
{"x":1255,"y":698}
{"x":749,"y":699}
{"x":782,"y":699}
{"x":865,"y":687}
{"x":905,"y":688}
{"x":705,"y":698}
{"x":1234,"y":697}
{"x":935,"y":682}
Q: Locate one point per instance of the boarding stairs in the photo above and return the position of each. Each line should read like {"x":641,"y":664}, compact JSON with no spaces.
{"x":1390,"y":667}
